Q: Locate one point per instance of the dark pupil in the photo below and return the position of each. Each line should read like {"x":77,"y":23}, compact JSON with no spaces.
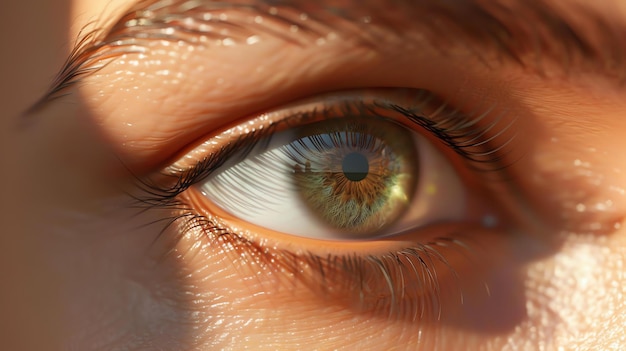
{"x":355,"y":166}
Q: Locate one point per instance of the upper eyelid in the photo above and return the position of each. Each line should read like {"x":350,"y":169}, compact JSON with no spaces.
{"x":468,"y":135}
{"x":461,"y":23}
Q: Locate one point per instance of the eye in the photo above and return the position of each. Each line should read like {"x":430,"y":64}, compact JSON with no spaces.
{"x":344,"y":177}
{"x":357,"y":166}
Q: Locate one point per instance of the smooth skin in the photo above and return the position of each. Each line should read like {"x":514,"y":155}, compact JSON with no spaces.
{"x":80,"y":270}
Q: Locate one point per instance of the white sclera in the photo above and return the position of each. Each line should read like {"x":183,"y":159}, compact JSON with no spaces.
{"x":260,"y":190}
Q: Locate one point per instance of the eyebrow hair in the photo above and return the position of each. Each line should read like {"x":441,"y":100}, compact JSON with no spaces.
{"x":525,"y":32}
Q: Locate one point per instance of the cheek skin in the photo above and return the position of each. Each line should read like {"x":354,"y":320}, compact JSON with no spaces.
{"x":577,"y":296}
{"x":573,"y":298}
{"x":81,"y":261}
{"x":584,"y":282}
{"x":576,"y":146}
{"x":576,"y":181}
{"x":111,"y":288}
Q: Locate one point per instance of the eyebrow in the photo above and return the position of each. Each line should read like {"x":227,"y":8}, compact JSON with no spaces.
{"x":529,"y":33}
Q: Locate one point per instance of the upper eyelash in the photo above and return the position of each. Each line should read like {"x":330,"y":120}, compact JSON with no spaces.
{"x":157,"y":195}
{"x":452,"y":131}
{"x":455,"y":133}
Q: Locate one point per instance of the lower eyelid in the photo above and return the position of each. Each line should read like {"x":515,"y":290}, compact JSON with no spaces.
{"x":409,"y":278}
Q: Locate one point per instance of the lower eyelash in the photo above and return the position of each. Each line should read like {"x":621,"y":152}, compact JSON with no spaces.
{"x":405,"y":284}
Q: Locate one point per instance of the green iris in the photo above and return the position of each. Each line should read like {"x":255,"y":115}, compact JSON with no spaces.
{"x":356,"y":176}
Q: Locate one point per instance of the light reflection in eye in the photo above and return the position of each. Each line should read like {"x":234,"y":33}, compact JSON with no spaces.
{"x":348,"y":177}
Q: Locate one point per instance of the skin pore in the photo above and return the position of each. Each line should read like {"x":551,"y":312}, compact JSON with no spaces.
{"x":90,"y":263}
